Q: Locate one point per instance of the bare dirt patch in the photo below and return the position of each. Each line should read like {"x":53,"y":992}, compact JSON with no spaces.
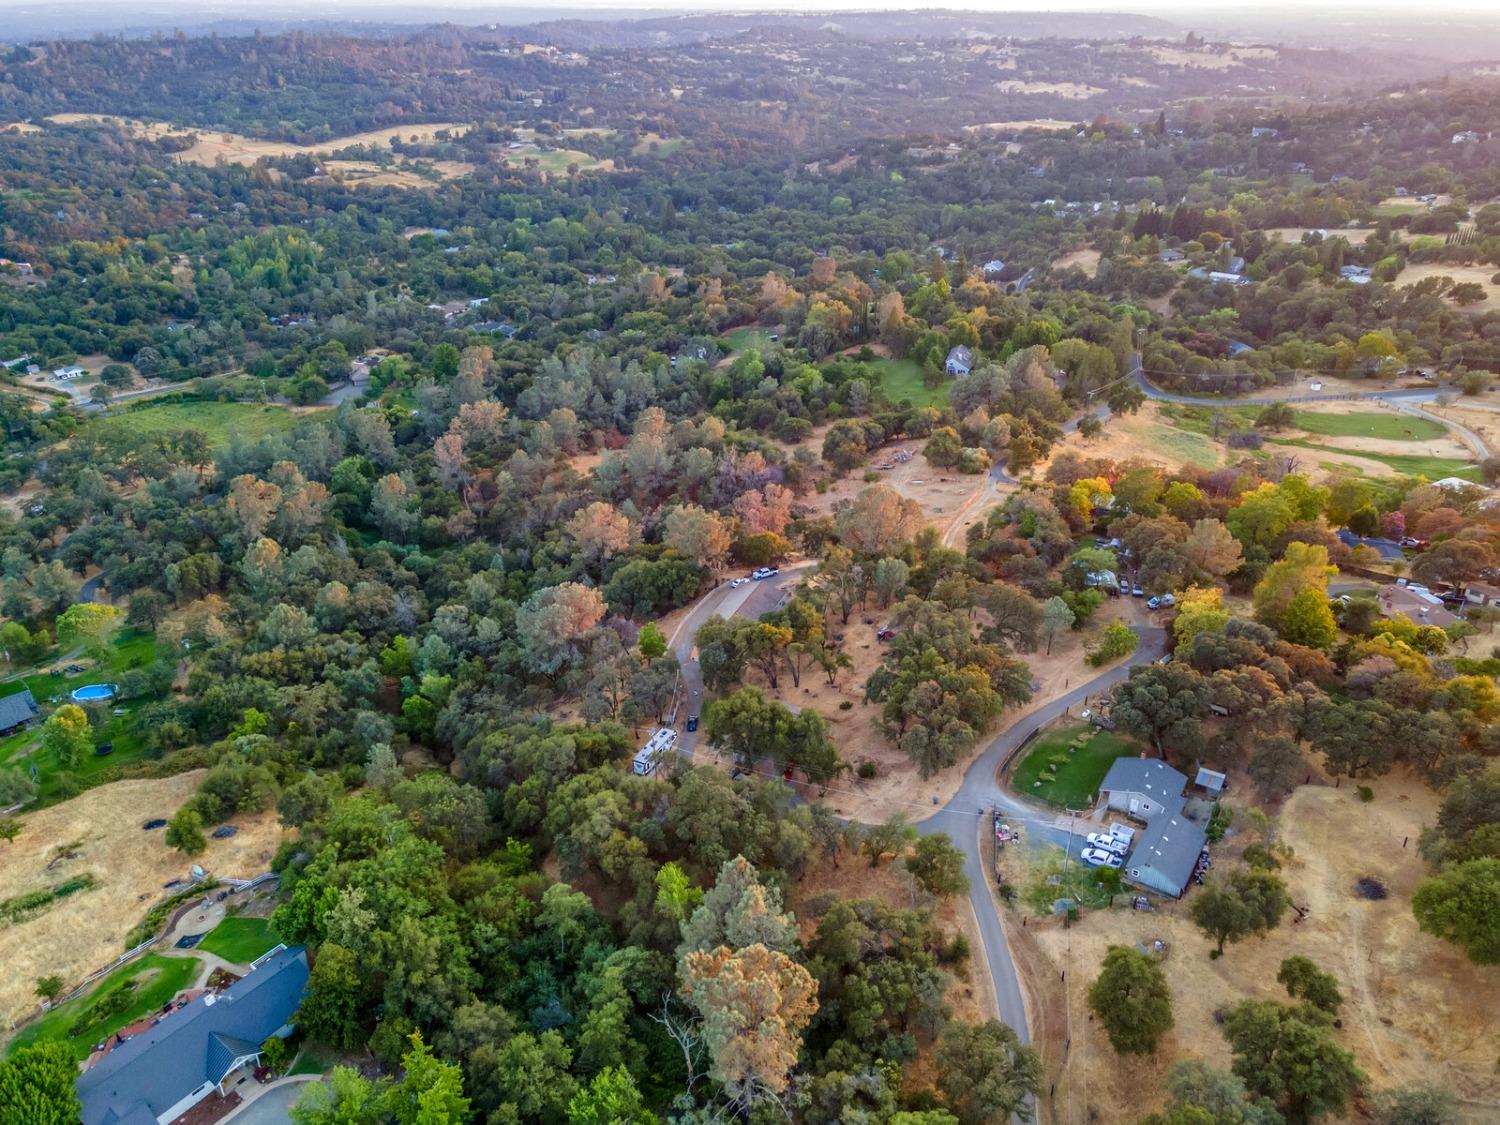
{"x":1038,"y":124}
{"x":1480,"y":275}
{"x":213,"y":145}
{"x":1145,"y":435}
{"x":1415,"y":1008}
{"x":1209,"y":60}
{"x":1354,"y":236}
{"x":940,"y":492}
{"x":1086,"y":259}
{"x":102,"y":831}
{"x":1055,"y":89}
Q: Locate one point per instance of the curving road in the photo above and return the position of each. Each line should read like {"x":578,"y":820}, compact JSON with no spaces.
{"x":981,"y":789}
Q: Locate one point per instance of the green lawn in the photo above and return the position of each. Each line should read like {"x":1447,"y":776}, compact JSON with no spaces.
{"x":156,"y":979}
{"x":902,"y":379}
{"x":240,"y":940}
{"x":129,"y":648}
{"x":217,"y":420}
{"x":1374,"y":424}
{"x":1075,"y":782}
{"x":1409,"y":464}
{"x":314,"y":1058}
{"x":743,"y":339}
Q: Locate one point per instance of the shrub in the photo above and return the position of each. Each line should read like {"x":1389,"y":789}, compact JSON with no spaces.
{"x":867,"y":770}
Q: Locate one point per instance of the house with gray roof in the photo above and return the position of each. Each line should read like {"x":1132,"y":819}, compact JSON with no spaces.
{"x":1142,"y":787}
{"x":1166,"y":856}
{"x":17,"y":710}
{"x":159,"y":1074}
{"x":960,"y":361}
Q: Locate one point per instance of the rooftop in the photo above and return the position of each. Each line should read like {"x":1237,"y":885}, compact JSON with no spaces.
{"x":146,"y":1076}
{"x":1171,"y":845}
{"x":1144,"y":775}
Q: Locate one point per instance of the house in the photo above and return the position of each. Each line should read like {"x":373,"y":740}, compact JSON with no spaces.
{"x":1457,"y":484}
{"x":1416,"y":603}
{"x":1360,"y":275}
{"x":1167,"y":855}
{"x":1228,"y":278}
{"x":17,"y":711}
{"x":1171,"y":255}
{"x":960,"y":361}
{"x":1257,"y":131}
{"x":72,"y":371}
{"x":1236,"y":264}
{"x":993,"y":268}
{"x":12,"y":364}
{"x":1102,"y":580}
{"x":1238,"y":348}
{"x":1142,"y":787}
{"x":1468,"y":136}
{"x":186,"y":1055}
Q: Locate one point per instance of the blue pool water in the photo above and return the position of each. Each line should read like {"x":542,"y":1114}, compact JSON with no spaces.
{"x":94,"y":692}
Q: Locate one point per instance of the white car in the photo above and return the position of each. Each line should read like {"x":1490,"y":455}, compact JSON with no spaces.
{"x":1168,"y":601}
{"x":1108,"y":843}
{"x":1098,"y":857}
{"x":736,"y":583}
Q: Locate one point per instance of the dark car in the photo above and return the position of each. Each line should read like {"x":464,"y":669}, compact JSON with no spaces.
{"x":692,"y":723}
{"x":151,"y":824}
{"x":104,"y":749}
{"x":224,"y":831}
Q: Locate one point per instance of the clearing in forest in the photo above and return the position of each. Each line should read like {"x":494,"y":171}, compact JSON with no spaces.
{"x":219,"y":421}
{"x":1483,"y":276}
{"x":99,"y":834}
{"x":1415,"y":1009}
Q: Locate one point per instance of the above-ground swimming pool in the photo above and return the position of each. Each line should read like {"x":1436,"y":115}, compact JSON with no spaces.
{"x":93,"y":693}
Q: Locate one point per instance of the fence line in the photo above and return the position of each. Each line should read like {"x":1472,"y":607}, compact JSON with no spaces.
{"x":129,"y":955}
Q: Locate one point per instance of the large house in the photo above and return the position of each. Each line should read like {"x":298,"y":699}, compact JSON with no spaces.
{"x":1142,"y":787}
{"x":17,"y":711}
{"x":960,"y":361}
{"x":200,"y":1049}
{"x":1166,"y":855}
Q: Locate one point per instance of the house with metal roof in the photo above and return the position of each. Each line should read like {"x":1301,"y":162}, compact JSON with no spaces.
{"x":17,"y":710}
{"x":159,"y":1074}
{"x":1166,"y":856}
{"x":1142,"y":787}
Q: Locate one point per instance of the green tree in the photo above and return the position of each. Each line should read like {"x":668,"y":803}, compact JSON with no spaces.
{"x":344,"y":1097}
{"x":431,"y":1092}
{"x":651,"y":642}
{"x":88,"y":624}
{"x":1132,"y":1000}
{"x":1415,"y":1105}
{"x":10,"y":828}
{"x":939,"y":866}
{"x":49,"y":988}
{"x":1303,"y":980}
{"x":185,"y":831}
{"x":67,"y":735}
{"x":1248,"y":902}
{"x":1308,"y":620}
{"x":1204,"y":1095}
{"x":36,"y":1085}
{"x":333,"y":1006}
{"x":1117,"y":640}
{"x":986,"y":1072}
{"x":610,"y":1099}
{"x":1288,"y":1054}
{"x":1462,"y":905}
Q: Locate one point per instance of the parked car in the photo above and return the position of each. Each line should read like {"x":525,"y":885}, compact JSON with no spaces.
{"x":765,"y":572}
{"x":1168,"y":601}
{"x":1098,"y":857}
{"x":736,"y":583}
{"x":692,"y":723}
{"x":1136,"y":591}
{"x":1125,"y":586}
{"x":1153,"y":603}
{"x":1414,"y":543}
{"x":1109,"y":843}
{"x":151,"y":825}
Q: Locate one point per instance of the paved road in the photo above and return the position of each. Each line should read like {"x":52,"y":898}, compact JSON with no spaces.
{"x":272,"y":1105}
{"x":980,"y":788}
